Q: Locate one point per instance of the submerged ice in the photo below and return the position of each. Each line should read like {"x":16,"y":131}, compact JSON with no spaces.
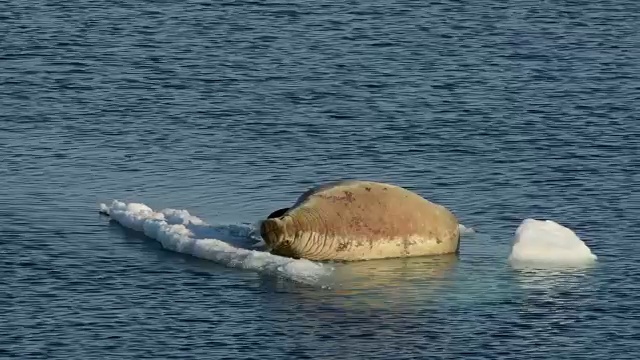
{"x":545,"y":242}
{"x":230,"y":245}
{"x":466,"y":230}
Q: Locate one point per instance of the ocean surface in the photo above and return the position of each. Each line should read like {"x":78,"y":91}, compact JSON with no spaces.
{"x":231,"y":109}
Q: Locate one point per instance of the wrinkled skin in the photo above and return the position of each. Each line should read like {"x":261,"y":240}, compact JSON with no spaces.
{"x":361,"y":220}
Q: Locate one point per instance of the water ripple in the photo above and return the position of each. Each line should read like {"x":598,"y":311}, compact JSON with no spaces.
{"x":231,"y":109}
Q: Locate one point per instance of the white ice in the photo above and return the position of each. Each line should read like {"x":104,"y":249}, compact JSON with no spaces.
{"x":230,"y":245}
{"x":466,"y":230}
{"x":547,"y":243}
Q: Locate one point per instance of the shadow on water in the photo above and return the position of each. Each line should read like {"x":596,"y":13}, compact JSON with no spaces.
{"x":239,"y":236}
{"x":243,"y":236}
{"x":151,"y":247}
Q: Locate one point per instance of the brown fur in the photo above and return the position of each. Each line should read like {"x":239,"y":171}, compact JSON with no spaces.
{"x":358,"y":220}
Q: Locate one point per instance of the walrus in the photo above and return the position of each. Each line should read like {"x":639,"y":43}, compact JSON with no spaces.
{"x":360,"y":220}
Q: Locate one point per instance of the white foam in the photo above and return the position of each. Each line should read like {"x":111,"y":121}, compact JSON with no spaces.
{"x":547,"y":243}
{"x":231,"y":245}
{"x":466,"y":230}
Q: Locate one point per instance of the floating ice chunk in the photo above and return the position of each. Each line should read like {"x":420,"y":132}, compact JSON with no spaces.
{"x":545,"y":242}
{"x":179,"y":231}
{"x":466,"y":230}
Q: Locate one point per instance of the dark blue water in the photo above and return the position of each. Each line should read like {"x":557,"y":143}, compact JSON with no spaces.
{"x":231,"y":109}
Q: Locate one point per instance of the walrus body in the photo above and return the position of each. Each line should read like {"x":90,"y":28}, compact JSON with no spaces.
{"x":360,"y":220}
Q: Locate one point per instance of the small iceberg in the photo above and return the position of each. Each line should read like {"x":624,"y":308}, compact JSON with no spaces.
{"x":547,"y":243}
{"x":230,"y":245}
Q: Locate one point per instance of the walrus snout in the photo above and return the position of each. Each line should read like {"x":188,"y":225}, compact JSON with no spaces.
{"x":271,"y":232}
{"x":274,"y":235}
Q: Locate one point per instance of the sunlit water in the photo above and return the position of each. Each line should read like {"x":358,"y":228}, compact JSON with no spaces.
{"x":230,"y":110}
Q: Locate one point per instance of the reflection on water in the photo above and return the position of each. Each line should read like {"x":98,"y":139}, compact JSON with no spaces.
{"x":549,"y":278}
{"x":556,"y":298}
{"x":548,"y":282}
{"x":361,"y":276}
{"x":398,"y":283}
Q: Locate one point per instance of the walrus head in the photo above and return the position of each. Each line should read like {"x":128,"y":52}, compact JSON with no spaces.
{"x":274,"y":234}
